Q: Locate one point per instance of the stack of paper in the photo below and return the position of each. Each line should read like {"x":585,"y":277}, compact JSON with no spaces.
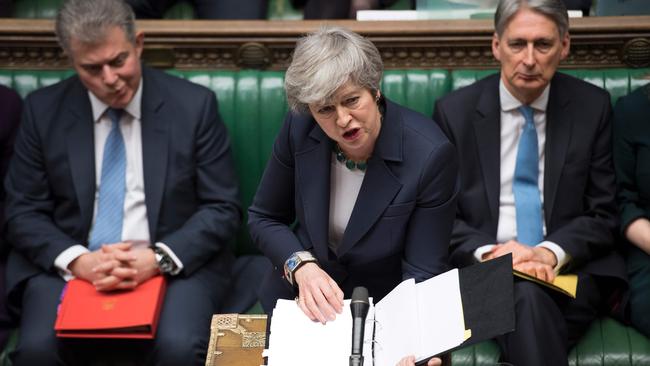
{"x":295,"y":340}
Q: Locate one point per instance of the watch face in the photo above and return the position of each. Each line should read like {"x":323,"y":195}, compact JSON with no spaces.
{"x":166,"y":265}
{"x":292,"y":262}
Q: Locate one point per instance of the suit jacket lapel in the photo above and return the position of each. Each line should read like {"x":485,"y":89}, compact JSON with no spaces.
{"x":558,"y":133}
{"x":313,"y":172}
{"x":379,"y":185}
{"x":155,"y":144}
{"x":487,"y":127}
{"x":81,"y":152}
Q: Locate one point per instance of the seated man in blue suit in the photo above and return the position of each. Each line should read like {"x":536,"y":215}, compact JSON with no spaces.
{"x":120,"y":173}
{"x":537,"y":180}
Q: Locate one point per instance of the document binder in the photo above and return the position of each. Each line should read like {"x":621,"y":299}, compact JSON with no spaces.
{"x":453,"y":309}
{"x":87,"y":313}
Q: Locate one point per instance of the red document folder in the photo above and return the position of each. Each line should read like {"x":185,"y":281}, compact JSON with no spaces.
{"x":87,"y":313}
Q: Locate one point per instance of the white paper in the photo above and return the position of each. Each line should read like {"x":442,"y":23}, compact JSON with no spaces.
{"x":440,"y":314}
{"x":297,"y":341}
{"x":396,"y":319}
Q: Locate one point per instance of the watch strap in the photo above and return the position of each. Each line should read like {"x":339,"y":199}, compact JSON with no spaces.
{"x":294,"y":262}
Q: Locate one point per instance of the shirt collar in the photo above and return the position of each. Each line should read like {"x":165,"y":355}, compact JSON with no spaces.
{"x":509,"y":102}
{"x":133,"y":108}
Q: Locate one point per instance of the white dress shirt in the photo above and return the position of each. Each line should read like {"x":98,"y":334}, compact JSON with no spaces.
{"x":135,"y":226}
{"x":345,"y":185}
{"x":512,"y":124}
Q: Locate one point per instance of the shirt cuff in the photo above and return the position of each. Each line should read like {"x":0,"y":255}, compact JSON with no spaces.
{"x":177,"y":262}
{"x":561,"y":256}
{"x":63,"y":260}
{"x":480,"y":251}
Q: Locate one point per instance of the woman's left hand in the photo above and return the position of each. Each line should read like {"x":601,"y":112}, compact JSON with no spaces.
{"x":319,"y":297}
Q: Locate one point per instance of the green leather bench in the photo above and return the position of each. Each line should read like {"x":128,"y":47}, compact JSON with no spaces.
{"x":252,"y":104}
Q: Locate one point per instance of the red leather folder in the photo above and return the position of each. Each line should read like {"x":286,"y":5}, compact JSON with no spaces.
{"x":87,"y":313}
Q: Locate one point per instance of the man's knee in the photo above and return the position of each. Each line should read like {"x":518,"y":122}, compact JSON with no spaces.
{"x":40,"y":348}
{"x":178,"y":348}
{"x":534,"y":303}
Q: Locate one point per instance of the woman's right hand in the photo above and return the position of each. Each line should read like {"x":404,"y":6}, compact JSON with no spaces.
{"x":319,"y":296}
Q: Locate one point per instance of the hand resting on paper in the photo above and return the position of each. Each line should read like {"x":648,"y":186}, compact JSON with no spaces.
{"x":410,"y":361}
{"x":319,"y":297}
{"x":536,"y":261}
{"x":116,"y":266}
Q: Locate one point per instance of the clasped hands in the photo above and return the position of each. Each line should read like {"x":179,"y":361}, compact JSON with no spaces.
{"x":116,"y":266}
{"x":536,"y":261}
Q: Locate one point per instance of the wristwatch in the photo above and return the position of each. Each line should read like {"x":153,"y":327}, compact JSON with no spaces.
{"x":295,"y":261}
{"x":165,"y":262}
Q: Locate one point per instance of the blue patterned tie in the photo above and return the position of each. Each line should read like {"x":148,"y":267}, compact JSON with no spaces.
{"x":525,"y":186}
{"x":112,"y":187}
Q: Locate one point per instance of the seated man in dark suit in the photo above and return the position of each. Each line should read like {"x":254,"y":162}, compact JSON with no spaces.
{"x":120,"y":173}
{"x":536,"y":180}
{"x":11,"y":106}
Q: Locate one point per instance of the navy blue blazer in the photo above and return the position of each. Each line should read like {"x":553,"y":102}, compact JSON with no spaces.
{"x":189,"y":176}
{"x":401,"y":223}
{"x":579,"y":184}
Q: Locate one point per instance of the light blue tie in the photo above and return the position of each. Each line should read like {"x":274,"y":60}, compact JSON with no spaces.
{"x":112,"y":187}
{"x":525,"y":186}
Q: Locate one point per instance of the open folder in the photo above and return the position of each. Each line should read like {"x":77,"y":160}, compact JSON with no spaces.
{"x":455,"y":308}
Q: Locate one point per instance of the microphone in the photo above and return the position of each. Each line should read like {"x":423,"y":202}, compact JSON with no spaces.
{"x":359,"y":306}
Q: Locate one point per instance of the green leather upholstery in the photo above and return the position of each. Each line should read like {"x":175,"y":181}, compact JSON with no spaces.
{"x":36,"y":8}
{"x":252,"y":105}
{"x":416,"y":89}
{"x":619,"y":345}
{"x":606,"y":343}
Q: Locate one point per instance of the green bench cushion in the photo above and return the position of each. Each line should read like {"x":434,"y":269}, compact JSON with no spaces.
{"x":606,"y":343}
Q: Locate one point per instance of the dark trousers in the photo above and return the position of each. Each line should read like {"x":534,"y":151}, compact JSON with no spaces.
{"x":548,"y":324}
{"x":182,"y":336}
{"x":638,"y":270}
{"x":6,"y":321}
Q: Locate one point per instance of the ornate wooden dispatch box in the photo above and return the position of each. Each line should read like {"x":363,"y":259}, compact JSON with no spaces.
{"x":236,"y":340}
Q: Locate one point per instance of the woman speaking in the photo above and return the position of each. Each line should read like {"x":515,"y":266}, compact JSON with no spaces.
{"x":359,"y":191}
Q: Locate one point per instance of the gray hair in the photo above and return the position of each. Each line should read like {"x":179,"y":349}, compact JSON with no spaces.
{"x":552,"y":9}
{"x":327,"y":59}
{"x":88,"y":21}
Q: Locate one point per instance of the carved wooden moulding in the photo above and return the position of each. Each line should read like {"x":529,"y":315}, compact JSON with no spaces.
{"x":32,"y":57}
{"x":268,"y":45}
